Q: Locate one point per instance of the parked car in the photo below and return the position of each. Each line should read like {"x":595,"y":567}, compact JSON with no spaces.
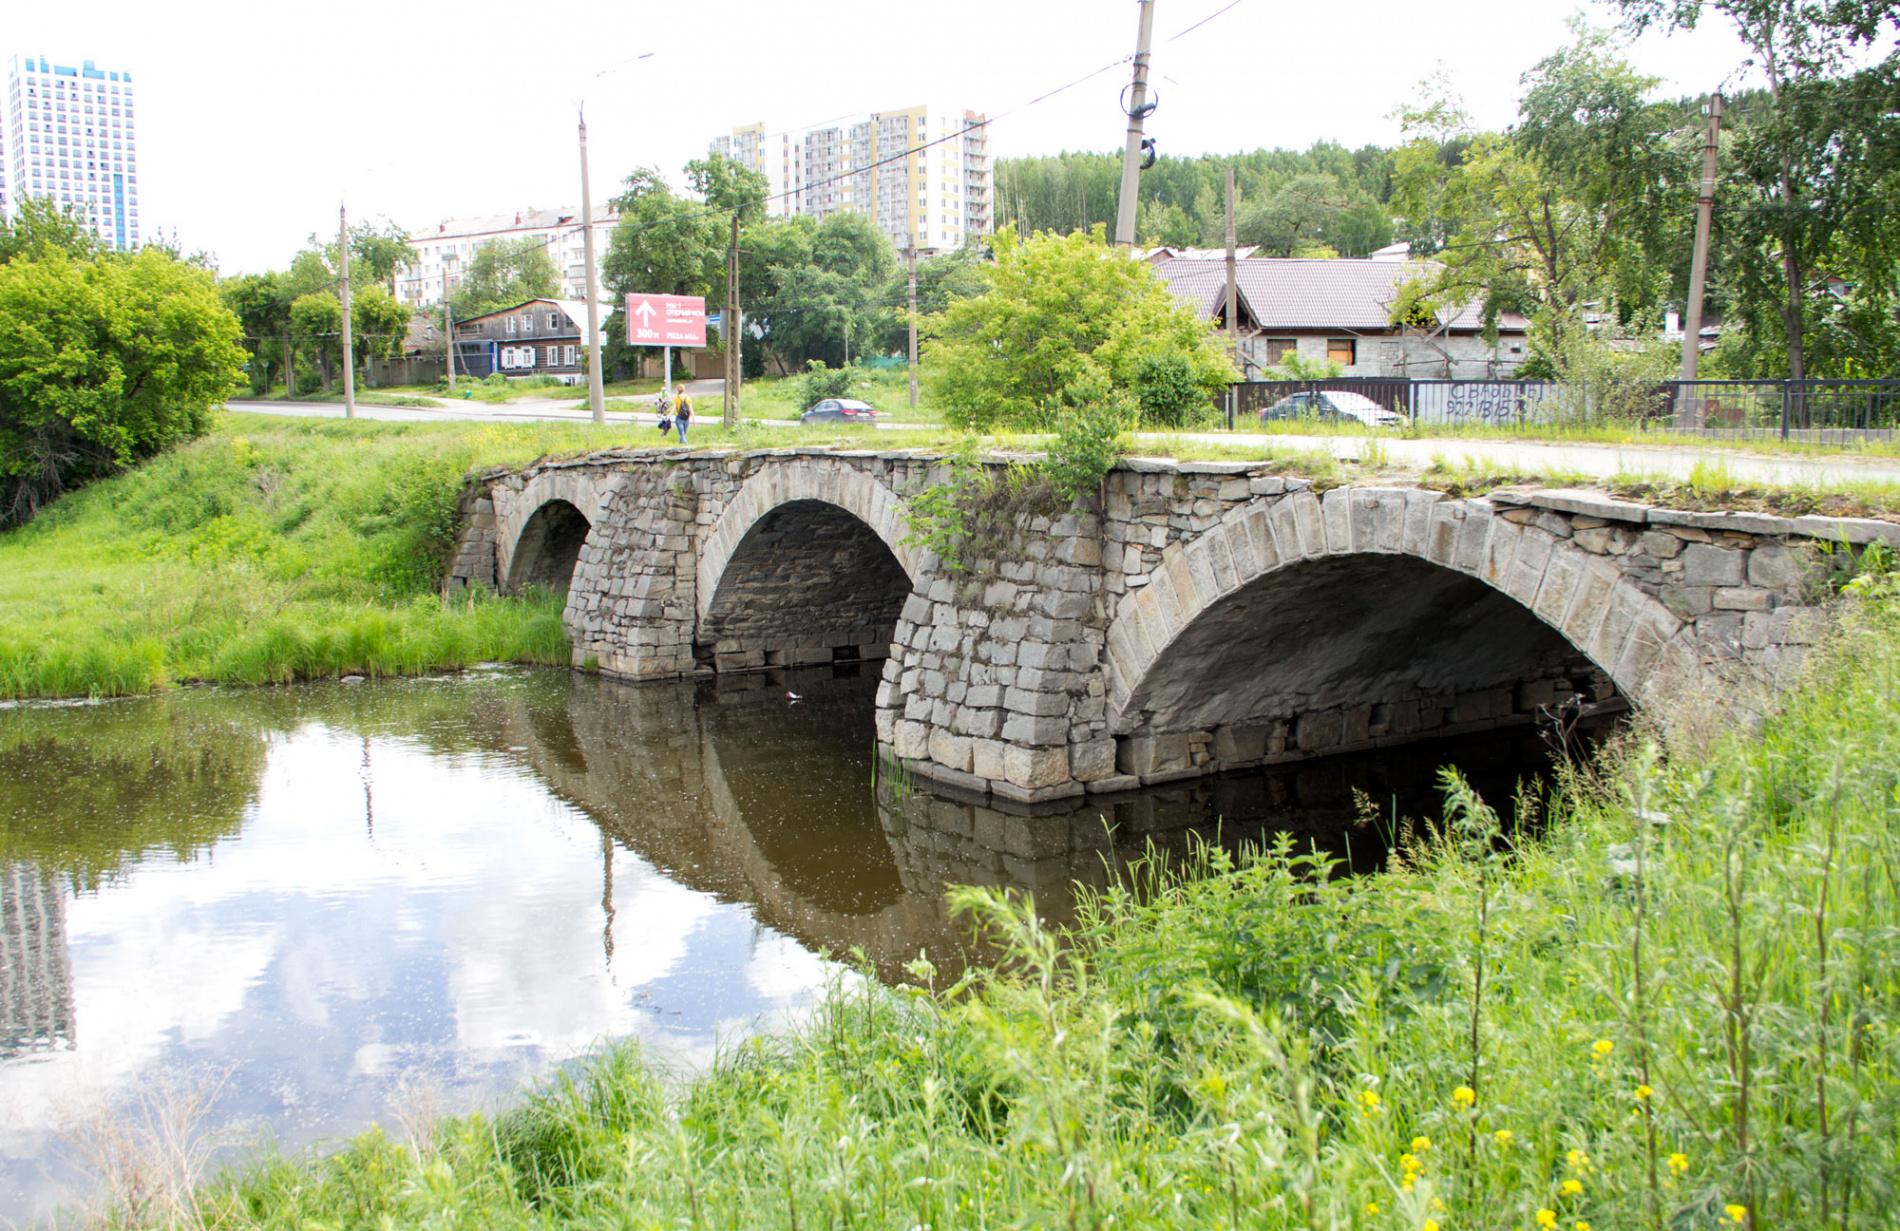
{"x":839,"y":410}
{"x":1333,"y":405}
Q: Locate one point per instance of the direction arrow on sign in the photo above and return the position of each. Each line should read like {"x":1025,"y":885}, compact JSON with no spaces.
{"x":666,"y":320}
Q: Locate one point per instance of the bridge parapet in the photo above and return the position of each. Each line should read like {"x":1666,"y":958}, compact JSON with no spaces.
{"x":1206,"y":616}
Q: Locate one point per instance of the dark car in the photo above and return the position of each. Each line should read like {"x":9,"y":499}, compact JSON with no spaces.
{"x":1328,"y":404}
{"x":839,"y":410}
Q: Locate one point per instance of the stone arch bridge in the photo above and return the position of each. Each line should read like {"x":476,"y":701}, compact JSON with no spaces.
{"x":1209,"y":616}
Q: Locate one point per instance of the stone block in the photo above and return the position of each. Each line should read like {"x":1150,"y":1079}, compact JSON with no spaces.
{"x":1092,"y":760}
{"x":1336,"y":512}
{"x":1317,"y":731}
{"x":1234,"y":744}
{"x":910,"y":740}
{"x":1795,"y":626}
{"x":1707,"y":565}
{"x":1150,"y":754}
{"x":1041,"y":704}
{"x":1038,"y":731}
{"x":1744,"y":599}
{"x":950,"y":751}
{"x":1036,"y":767}
{"x":1778,"y":568}
{"x":986,"y":758}
{"x":1114,"y":783}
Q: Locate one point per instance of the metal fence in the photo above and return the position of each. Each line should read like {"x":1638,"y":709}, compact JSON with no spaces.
{"x":1816,"y":410}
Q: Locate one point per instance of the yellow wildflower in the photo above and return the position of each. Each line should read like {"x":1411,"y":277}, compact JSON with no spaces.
{"x":1372,"y":1207}
{"x":1405,"y":1185}
{"x":1602,"y":1048}
{"x":1582,"y":1225}
{"x":1503,"y":1136}
{"x":1431,"y":1224}
{"x":1736,"y":1213}
{"x":1547,"y":1219}
{"x":1368,"y":1102}
{"x":1438,"y":1205}
{"x":1421,"y":1144}
{"x":1570,"y":1188}
{"x":1464,"y":1096}
{"x":1578,"y":1160}
{"x":1644,"y":1091}
{"x":1678,"y":1163}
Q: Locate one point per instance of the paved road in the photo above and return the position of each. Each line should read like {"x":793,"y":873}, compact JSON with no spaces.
{"x":1596,"y":460}
{"x":1529,"y":457}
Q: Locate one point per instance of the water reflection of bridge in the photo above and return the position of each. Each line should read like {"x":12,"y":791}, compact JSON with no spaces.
{"x":731,"y":790}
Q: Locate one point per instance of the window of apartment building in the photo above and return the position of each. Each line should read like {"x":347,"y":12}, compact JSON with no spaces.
{"x":1342,"y":351}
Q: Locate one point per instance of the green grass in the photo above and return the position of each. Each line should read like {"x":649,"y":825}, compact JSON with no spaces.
{"x":273,"y":549}
{"x":1568,"y":432}
{"x":1667,"y":986}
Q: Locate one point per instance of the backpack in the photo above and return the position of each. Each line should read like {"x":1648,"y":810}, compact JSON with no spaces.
{"x":685,"y":408}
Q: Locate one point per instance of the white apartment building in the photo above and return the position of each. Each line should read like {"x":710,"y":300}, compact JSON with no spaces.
{"x":936,"y":196}
{"x":449,"y":245}
{"x":67,"y":134}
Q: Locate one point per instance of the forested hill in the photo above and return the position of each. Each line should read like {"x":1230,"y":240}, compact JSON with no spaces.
{"x":1290,"y":201}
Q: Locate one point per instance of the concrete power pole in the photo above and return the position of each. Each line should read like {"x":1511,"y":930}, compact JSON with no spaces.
{"x":1137,"y":113}
{"x":596,"y":394}
{"x":1233,"y":301}
{"x":343,"y":285}
{"x":1699,"y":265}
{"x":734,"y":336}
{"x":448,"y":330}
{"x":910,"y":258}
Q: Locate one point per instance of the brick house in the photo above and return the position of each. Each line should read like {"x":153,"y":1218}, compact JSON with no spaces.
{"x":1340,"y":310}
{"x":541,"y":337}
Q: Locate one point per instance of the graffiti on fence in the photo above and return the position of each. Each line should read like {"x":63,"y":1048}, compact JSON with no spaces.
{"x":1481,"y":401}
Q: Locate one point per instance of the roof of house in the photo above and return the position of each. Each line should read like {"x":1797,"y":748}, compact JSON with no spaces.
{"x":1282,"y":293}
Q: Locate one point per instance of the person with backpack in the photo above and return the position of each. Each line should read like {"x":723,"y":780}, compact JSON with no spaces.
{"x":682,"y":412}
{"x":663,"y":407}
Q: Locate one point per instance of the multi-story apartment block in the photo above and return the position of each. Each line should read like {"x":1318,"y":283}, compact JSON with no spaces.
{"x":68,"y":135}
{"x":921,"y":173}
{"x":36,"y":973}
{"x":448,"y":247}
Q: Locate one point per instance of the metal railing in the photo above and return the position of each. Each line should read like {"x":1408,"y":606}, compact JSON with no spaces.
{"x":1812,"y":410}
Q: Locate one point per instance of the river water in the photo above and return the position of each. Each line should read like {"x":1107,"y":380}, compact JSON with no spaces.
{"x":291,"y":913}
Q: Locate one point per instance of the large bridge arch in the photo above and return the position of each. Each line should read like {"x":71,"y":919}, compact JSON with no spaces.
{"x":1282,"y":599}
{"x":804,"y":564}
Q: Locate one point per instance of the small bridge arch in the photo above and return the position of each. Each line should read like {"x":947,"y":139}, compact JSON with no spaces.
{"x":541,"y":534}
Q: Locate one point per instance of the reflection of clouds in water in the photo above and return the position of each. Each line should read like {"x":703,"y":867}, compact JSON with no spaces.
{"x":463,"y":937}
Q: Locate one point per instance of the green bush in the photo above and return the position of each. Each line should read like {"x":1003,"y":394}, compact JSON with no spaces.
{"x":820,"y":382}
{"x":1167,"y":394}
{"x":105,"y":361}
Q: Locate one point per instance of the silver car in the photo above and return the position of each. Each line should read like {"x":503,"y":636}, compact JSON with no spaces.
{"x":1333,"y":405}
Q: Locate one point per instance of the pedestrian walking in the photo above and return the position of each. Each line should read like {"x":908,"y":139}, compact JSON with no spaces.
{"x":682,"y":412}
{"x":663,"y":408}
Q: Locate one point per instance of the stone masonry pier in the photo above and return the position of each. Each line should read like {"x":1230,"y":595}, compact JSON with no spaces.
{"x":1206,"y":617}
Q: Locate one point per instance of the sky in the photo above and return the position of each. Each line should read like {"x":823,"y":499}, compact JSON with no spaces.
{"x":256,"y":121}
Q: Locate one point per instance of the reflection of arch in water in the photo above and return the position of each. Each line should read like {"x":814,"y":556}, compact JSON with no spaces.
{"x":645,"y":763}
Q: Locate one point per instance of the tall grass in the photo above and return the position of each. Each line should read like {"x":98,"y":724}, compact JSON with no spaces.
{"x":272,"y":550}
{"x":1673,"y":1007}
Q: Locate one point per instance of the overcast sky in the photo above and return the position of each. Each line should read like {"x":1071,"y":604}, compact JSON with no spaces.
{"x":256,"y":119}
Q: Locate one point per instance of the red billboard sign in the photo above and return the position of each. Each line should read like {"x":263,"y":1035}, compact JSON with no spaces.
{"x":666,"y":320}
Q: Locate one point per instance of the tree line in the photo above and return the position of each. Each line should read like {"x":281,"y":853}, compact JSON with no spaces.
{"x":1580,"y":215}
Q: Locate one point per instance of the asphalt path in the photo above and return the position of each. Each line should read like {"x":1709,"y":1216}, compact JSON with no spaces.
{"x":1600,"y":461}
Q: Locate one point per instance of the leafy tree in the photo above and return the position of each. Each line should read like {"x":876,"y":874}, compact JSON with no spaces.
{"x":825,"y":290}
{"x":39,"y":226}
{"x":378,"y":324}
{"x":1814,"y":176}
{"x":957,"y":274}
{"x":728,"y":187}
{"x":262,"y":305}
{"x":1061,"y":315}
{"x":502,"y":273}
{"x":107,"y":361}
{"x":316,"y":328}
{"x":664,"y":245}
{"x":1313,"y":215}
{"x":1571,"y":208}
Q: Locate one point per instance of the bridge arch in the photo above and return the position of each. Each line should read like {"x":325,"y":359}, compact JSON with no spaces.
{"x":1292,"y":625}
{"x":805,"y":564}
{"x":542,"y":530}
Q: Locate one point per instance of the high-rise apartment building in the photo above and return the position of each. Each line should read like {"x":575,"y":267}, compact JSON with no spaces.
{"x":69,"y":135}
{"x":447,"y":248}
{"x":921,"y":173}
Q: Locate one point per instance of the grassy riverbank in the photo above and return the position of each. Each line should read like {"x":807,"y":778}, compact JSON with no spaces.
{"x":1673,"y":1007}
{"x":271,"y":550}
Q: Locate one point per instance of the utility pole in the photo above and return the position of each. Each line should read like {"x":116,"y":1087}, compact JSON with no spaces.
{"x":1137,"y":113}
{"x":343,"y":283}
{"x":734,"y":371}
{"x":1233,"y":300}
{"x":596,"y":395}
{"x":1699,"y":266}
{"x":910,"y":257}
{"x":448,"y":329}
